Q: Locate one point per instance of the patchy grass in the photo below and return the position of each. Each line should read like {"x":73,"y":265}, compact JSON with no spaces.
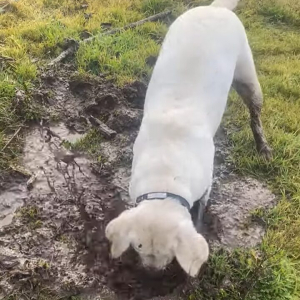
{"x":272,"y":270}
{"x":33,"y":32}
{"x":31,"y":216}
{"x":90,"y":144}
{"x":247,"y":275}
{"x":121,"y":57}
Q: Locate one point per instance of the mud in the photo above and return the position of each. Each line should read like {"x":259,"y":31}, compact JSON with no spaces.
{"x":13,"y":192}
{"x":233,"y":201}
{"x":55,"y":242}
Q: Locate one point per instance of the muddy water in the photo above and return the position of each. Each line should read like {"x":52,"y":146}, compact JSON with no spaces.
{"x":38,"y":160}
{"x":10,"y":199}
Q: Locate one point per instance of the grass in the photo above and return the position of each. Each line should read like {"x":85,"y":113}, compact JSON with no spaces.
{"x":32,"y":33}
{"x":30,"y":215}
{"x":90,"y":144}
{"x":119,"y":59}
{"x":272,"y":270}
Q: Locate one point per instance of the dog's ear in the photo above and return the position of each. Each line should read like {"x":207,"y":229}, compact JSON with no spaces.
{"x":191,"y":250}
{"x":118,"y":233}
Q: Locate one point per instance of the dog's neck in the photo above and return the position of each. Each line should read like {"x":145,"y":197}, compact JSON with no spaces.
{"x":164,"y":196}
{"x":162,"y":184}
{"x":182,"y":168}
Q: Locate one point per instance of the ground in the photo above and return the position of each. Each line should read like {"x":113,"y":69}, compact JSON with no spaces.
{"x":63,"y":180}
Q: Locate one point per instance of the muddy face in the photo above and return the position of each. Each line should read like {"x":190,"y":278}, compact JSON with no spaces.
{"x":150,"y":235}
{"x":159,"y":231}
{"x":155,"y":261}
{"x":155,"y":252}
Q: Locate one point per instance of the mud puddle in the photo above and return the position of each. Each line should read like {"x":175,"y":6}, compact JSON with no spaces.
{"x":45,"y":160}
{"x":55,"y":244}
{"x":12,"y":195}
{"x":233,"y":201}
{"x":39,"y":159}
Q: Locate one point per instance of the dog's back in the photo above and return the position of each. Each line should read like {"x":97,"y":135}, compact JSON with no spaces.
{"x":195,"y":68}
{"x":185,"y":101}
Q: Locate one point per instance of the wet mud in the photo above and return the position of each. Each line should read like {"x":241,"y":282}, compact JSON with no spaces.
{"x":13,"y":192}
{"x":233,"y":202}
{"x":52,"y":220}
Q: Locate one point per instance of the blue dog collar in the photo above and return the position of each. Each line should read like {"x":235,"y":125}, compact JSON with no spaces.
{"x":162,"y":196}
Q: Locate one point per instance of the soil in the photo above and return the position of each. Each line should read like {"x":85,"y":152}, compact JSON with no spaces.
{"x":53,"y":215}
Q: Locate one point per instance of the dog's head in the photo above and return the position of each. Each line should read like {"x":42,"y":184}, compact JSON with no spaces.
{"x":159,"y":231}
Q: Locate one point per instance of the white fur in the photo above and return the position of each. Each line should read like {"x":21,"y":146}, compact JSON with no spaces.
{"x":229,"y":4}
{"x":164,"y":230}
{"x":204,"y":50}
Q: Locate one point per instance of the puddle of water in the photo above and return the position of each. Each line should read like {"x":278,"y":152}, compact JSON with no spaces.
{"x":40,"y":159}
{"x":37,"y":155}
{"x":71,"y":136}
{"x":10,"y":200}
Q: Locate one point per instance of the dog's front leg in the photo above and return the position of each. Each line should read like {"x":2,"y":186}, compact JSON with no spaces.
{"x":197,"y":211}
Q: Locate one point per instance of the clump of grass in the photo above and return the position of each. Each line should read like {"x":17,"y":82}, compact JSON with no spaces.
{"x":122,"y":56}
{"x":14,"y":112}
{"x":30,"y":215}
{"x":7,"y":91}
{"x":90,"y":144}
{"x":247,"y":274}
{"x":25,"y":71}
{"x":152,"y":7}
{"x":280,"y":12}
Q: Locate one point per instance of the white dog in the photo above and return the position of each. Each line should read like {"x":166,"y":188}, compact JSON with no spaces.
{"x":204,"y":53}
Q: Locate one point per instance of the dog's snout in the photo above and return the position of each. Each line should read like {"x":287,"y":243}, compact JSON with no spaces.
{"x":151,"y":258}
{"x":149,"y":261}
{"x":155,"y":263}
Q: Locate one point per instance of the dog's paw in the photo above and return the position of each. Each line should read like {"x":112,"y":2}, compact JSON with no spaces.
{"x":266,"y":152}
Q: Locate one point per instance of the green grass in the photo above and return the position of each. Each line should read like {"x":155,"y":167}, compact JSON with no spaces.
{"x":90,"y":144}
{"x":33,"y":32}
{"x":121,"y":57}
{"x":280,"y":12}
{"x":30,"y":216}
{"x":274,"y":271}
{"x":247,"y":275}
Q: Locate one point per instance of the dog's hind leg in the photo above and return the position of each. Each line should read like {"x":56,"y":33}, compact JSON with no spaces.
{"x":246,"y":84}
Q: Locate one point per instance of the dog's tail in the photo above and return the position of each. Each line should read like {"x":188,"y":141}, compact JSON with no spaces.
{"x":229,"y":4}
